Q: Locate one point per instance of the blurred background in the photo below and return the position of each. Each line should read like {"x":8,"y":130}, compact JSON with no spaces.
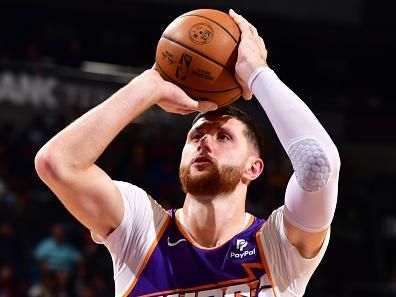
{"x":60,"y":58}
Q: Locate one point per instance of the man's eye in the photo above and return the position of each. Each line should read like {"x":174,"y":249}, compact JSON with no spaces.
{"x":223,"y":136}
{"x":196,"y":136}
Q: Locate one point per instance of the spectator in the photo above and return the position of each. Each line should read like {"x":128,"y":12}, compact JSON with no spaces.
{"x":55,"y":253}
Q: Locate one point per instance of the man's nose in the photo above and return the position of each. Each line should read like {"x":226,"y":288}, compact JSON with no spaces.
{"x":204,"y":143}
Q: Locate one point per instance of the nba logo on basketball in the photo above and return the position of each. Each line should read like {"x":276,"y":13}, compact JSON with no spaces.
{"x":201,"y":33}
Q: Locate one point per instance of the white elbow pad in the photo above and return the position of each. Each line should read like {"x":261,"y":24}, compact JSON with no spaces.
{"x":310,"y":163}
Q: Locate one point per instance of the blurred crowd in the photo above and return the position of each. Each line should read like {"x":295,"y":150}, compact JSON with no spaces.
{"x":43,"y":251}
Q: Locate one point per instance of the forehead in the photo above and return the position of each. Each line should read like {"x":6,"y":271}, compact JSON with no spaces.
{"x":215,"y":121}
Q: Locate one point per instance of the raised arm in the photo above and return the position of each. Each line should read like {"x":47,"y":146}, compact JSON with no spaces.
{"x":311,"y":194}
{"x":67,"y":162}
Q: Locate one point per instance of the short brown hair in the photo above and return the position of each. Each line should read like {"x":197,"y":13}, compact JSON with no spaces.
{"x":251,"y":132}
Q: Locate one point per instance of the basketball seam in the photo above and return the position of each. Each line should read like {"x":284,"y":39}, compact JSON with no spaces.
{"x":204,"y":91}
{"x":225,"y":29}
{"x":197,"y":52}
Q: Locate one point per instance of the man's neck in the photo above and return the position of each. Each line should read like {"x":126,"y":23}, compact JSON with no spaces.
{"x":213,"y":221}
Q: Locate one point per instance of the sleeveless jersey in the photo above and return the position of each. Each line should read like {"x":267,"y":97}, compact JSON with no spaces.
{"x":175,"y":266}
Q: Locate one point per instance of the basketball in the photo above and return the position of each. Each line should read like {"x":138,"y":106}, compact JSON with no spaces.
{"x":198,"y":52}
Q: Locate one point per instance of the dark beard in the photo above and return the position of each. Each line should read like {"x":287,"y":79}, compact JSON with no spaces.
{"x":212,"y":182}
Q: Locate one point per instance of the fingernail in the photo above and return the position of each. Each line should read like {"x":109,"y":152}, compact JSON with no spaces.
{"x":209,"y":108}
{"x":234,"y":12}
{"x":205,"y":106}
{"x":213,"y":107}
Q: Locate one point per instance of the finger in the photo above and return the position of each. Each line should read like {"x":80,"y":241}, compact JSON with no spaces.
{"x":261,"y":43}
{"x":247,"y":95}
{"x":197,"y":105}
{"x":242,"y":23}
{"x":246,"y":92}
{"x":232,"y":13}
{"x":170,"y":108}
{"x":242,"y":19}
{"x":188,"y":103}
{"x":205,"y":106}
{"x":247,"y":29}
{"x":253,"y":30}
{"x":184,"y":111}
{"x":178,"y":110}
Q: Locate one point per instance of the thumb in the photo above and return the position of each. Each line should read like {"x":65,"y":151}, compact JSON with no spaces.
{"x":246,"y":92}
{"x":205,"y":106}
{"x":247,"y":95}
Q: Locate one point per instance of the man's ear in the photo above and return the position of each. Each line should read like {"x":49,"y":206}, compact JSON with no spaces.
{"x":253,"y":169}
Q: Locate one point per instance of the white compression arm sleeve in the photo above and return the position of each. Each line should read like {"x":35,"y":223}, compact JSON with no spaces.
{"x":311,"y":194}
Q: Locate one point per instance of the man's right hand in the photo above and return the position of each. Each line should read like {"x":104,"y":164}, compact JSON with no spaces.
{"x":170,"y":97}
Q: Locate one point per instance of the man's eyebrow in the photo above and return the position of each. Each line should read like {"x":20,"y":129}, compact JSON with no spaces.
{"x":224,"y":130}
{"x":199,"y":127}
{"x":203,"y":126}
{"x":192,"y":131}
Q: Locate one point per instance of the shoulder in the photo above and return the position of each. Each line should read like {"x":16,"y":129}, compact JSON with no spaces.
{"x":141,"y":213}
{"x":136,"y":199}
{"x":127,"y":189}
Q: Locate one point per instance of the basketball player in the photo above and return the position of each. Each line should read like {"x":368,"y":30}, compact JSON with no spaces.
{"x":210,"y":247}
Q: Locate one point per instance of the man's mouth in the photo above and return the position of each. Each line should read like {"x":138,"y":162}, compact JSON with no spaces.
{"x":201,"y":160}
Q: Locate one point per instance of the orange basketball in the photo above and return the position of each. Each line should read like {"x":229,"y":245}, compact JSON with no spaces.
{"x":198,"y":52}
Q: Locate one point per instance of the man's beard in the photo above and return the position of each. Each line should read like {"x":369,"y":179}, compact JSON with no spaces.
{"x":211,"y":182}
